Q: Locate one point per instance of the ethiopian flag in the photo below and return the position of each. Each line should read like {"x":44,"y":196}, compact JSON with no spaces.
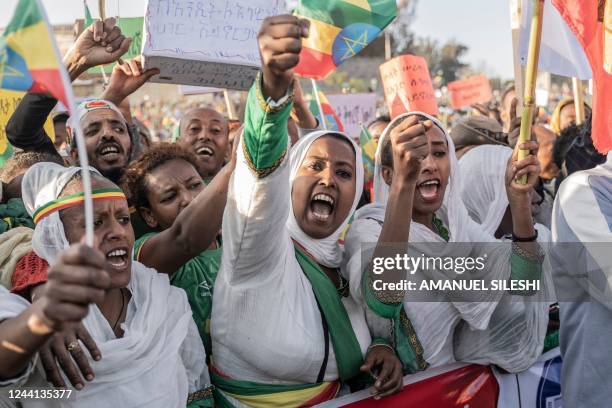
{"x":368,"y":153}
{"x":332,"y":121}
{"x":339,"y":29}
{"x":29,"y":59}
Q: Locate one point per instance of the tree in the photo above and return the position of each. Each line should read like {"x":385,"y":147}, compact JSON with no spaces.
{"x":450,"y":61}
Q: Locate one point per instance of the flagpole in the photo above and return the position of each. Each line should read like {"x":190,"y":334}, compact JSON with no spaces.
{"x":228,"y":104}
{"x":80,"y":140}
{"x":102,"y":11}
{"x":315,"y":89}
{"x":515,"y":16}
{"x":578,"y":100}
{"x":387,"y":46}
{"x":531,"y":73}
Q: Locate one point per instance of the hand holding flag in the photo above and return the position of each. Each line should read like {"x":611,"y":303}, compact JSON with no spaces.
{"x":99,"y":44}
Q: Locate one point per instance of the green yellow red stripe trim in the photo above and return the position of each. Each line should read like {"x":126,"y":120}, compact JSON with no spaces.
{"x":76,"y":199}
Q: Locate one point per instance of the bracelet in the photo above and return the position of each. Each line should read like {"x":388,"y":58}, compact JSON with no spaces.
{"x":381,"y":344}
{"x":40,"y":325}
{"x":528,"y":239}
{"x":12,"y":347}
{"x":538,"y":256}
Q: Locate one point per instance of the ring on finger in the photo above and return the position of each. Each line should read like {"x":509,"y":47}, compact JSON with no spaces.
{"x":73,"y":346}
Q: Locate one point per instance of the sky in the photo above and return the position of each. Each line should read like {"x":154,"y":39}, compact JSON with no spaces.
{"x":483,"y":25}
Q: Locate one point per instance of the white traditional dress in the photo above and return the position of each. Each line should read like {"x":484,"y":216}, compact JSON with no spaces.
{"x":272,"y":300}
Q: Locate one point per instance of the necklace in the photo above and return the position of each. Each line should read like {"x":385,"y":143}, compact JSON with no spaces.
{"x":342,"y":289}
{"x":121,"y":311}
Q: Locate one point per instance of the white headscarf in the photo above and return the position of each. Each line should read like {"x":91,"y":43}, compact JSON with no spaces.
{"x":42,"y":183}
{"x":483,"y":187}
{"x":452,"y":211}
{"x":326,"y":251}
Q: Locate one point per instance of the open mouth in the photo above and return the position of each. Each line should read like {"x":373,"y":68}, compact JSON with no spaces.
{"x":429,"y":190}
{"x":322,"y":206}
{"x":205,"y":151}
{"x":110,"y":151}
{"x":118,"y":258}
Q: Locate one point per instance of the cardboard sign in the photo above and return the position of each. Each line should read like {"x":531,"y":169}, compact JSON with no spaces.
{"x":8,"y":103}
{"x":212,"y":43}
{"x":353,"y":110}
{"x":408,"y":86}
{"x":469,"y":91}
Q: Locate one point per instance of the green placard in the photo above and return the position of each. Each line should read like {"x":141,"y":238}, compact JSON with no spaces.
{"x":130,"y":27}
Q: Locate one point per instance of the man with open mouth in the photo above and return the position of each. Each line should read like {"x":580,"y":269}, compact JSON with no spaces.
{"x":205,"y":132}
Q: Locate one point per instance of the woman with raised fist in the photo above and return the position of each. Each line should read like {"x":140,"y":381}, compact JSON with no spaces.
{"x":418,"y":210}
{"x":284,"y":328}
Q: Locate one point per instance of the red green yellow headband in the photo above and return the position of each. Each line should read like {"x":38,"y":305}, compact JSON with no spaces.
{"x":76,"y":199}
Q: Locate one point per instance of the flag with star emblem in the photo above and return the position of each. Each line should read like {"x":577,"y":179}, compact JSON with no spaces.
{"x":339,"y":29}
{"x":29,"y":58}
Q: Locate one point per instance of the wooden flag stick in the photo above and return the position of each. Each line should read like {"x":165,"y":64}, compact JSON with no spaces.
{"x":531,"y":73}
{"x":315,"y":90}
{"x":102,"y":11}
{"x":578,"y":100}
{"x":387,"y":46}
{"x":516,"y":16}
{"x":231,"y":113}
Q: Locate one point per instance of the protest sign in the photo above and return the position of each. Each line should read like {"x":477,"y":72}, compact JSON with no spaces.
{"x":408,"y":86}
{"x":211,"y":43}
{"x":131,"y":27}
{"x":8,"y":103}
{"x":354,"y":109}
{"x":466,"y":92}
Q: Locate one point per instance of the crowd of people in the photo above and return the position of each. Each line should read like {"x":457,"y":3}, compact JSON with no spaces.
{"x":228,"y":265}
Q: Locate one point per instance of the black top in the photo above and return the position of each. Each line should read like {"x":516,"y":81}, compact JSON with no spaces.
{"x":25,"y":129}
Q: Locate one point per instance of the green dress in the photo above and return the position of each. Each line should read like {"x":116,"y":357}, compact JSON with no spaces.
{"x":197,"y":279}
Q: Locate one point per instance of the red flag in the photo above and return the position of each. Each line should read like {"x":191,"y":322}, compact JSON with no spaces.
{"x":586,"y":19}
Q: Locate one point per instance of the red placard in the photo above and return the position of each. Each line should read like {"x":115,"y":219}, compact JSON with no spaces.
{"x":408,"y":86}
{"x":469,"y":91}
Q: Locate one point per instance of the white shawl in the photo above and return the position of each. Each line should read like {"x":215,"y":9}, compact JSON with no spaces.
{"x":483,"y":187}
{"x":160,"y":358}
{"x":448,"y":328}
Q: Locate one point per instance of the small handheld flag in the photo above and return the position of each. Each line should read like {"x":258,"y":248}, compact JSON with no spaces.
{"x":330,"y":118}
{"x":30,"y":62}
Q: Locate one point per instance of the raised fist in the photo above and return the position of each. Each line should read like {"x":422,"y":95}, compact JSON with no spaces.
{"x":77,"y":279}
{"x":280,"y":44}
{"x":410,"y":146}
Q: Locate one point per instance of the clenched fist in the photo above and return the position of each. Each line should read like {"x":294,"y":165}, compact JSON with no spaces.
{"x":76,"y":279}
{"x":280,"y":44}
{"x":410,"y":146}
